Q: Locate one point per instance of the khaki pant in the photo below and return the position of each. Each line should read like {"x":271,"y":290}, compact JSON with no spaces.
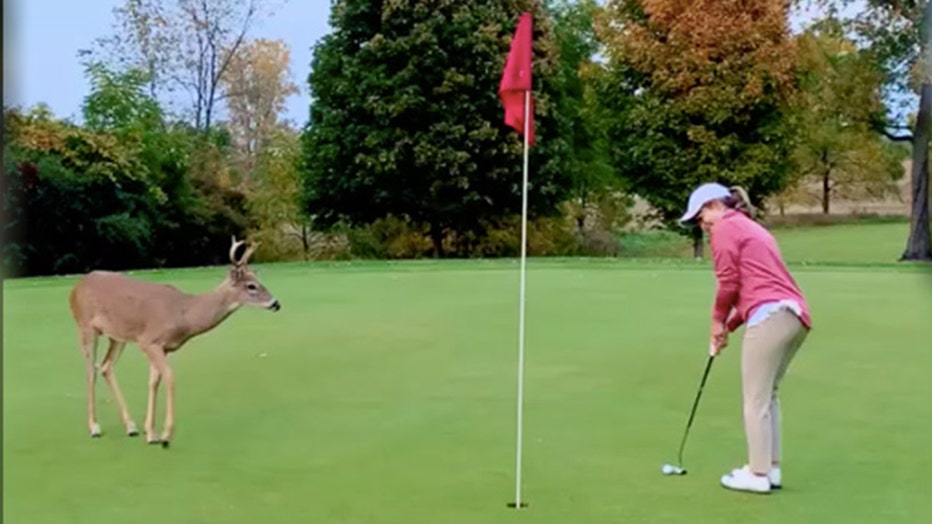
{"x":766,"y":352}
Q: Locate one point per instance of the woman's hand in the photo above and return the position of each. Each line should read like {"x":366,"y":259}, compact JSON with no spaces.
{"x":718,"y":337}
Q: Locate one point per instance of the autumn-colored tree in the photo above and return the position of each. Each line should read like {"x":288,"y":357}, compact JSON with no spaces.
{"x":699,"y":90}
{"x":840,"y":98}
{"x":257,"y":84}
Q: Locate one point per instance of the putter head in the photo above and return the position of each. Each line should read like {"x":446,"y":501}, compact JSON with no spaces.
{"x":670,"y":469}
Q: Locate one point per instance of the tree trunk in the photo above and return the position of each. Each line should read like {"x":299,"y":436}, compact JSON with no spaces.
{"x":581,"y":217}
{"x":697,"y":244}
{"x":826,"y":192}
{"x":304,"y":242}
{"x":436,"y":237}
{"x":919,"y":246}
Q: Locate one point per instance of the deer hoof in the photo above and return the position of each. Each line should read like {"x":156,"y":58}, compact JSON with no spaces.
{"x":132,"y":433}
{"x":95,"y":431}
{"x":153,"y":441}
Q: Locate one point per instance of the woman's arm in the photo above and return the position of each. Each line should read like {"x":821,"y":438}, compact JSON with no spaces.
{"x":725,"y":259}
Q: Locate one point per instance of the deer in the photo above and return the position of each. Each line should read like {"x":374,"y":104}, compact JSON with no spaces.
{"x":160,"y":319}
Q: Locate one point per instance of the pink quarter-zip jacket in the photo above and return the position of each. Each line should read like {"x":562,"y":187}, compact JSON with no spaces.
{"x":750,"y":271}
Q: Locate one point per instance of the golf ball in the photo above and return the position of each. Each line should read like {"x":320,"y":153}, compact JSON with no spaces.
{"x":667,"y":469}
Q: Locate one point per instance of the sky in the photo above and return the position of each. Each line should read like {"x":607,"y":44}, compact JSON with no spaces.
{"x":41,"y":63}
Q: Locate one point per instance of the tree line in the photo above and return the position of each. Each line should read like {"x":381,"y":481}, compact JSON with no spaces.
{"x":405,"y":153}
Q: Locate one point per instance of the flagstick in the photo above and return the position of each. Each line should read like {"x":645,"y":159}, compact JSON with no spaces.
{"x":527,"y":106}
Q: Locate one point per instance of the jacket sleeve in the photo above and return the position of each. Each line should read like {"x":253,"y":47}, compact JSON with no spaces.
{"x":724,"y":246}
{"x":734,"y":321}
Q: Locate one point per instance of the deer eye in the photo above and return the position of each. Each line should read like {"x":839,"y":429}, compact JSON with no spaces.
{"x":251,"y":287}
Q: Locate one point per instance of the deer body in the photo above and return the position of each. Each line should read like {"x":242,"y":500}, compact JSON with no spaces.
{"x":158,"y":318}
{"x":130,"y":310}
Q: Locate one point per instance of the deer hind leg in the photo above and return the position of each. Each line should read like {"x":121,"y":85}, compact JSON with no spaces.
{"x":149,"y":425}
{"x":109,"y":373}
{"x":89,"y":350}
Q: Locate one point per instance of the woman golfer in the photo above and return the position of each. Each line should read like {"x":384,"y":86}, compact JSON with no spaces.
{"x":754,"y":289}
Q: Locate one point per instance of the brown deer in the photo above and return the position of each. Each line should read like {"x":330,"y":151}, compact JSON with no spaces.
{"x":159,"y":319}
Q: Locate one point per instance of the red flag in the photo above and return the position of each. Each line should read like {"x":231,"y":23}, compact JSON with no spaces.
{"x":516,"y":79}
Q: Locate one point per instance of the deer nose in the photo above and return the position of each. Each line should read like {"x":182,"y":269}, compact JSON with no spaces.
{"x":275,"y":305}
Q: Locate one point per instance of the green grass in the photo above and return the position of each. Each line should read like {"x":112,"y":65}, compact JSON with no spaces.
{"x":864,"y":243}
{"x":386,"y":393}
{"x":870,"y":243}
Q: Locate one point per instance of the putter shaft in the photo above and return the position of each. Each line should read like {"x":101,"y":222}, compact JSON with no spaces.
{"x":692,"y":412}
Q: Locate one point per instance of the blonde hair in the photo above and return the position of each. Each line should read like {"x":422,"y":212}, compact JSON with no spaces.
{"x":740,"y":200}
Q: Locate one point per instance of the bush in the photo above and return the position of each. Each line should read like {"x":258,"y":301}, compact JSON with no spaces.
{"x":69,"y":207}
{"x":390,"y":238}
{"x":400,"y":239}
{"x":364,"y":244}
{"x":600,"y":243}
{"x":546,"y":236}
{"x":329,"y":246}
{"x":67,"y":221}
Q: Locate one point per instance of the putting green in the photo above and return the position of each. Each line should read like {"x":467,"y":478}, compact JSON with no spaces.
{"x":386,"y":393}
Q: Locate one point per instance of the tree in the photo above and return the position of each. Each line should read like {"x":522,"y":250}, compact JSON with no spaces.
{"x":275,"y":201}
{"x":405,"y":119}
{"x":182,"y":45}
{"x":699,"y":91}
{"x":75,"y":198}
{"x":839,"y":100}
{"x":118,"y":100}
{"x":593,"y":177}
{"x":899,"y":33}
{"x":257,"y":83}
{"x":114,"y":194}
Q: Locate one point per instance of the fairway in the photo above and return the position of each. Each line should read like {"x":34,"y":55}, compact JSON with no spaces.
{"x":386,"y":393}
{"x":868,"y":243}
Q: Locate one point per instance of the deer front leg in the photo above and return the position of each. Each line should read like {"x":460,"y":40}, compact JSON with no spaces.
{"x":158,"y":361}
{"x":106,"y":369}
{"x":169,"y":428}
{"x":149,"y":424}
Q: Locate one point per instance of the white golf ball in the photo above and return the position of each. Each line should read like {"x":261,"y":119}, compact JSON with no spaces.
{"x":667,"y":469}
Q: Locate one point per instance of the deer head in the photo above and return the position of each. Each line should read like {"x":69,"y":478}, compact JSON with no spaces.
{"x":246,"y":286}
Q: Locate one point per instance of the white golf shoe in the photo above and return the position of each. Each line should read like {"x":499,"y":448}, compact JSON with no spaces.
{"x":742,"y":479}
{"x":775,"y":477}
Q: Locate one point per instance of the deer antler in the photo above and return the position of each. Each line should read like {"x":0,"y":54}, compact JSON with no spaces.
{"x":249,"y":251}
{"x":243,"y":260}
{"x":236,"y":245}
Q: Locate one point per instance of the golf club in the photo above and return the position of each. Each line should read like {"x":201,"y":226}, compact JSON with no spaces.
{"x":669,"y":469}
